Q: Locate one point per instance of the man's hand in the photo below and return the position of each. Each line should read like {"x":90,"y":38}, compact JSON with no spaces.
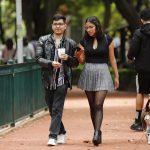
{"x":56,"y":64}
{"x":64,"y":57}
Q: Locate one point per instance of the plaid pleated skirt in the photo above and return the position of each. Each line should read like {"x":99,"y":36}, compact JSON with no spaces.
{"x":95,"y":77}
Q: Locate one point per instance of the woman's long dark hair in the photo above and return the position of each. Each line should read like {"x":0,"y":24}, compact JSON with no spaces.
{"x":94,"y":20}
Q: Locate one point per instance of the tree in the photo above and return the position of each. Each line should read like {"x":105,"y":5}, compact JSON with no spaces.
{"x":130,"y":9}
{"x":107,"y":14}
{"x":1,"y":26}
{"x":37,"y":15}
{"x":34,"y":16}
{"x":129,"y":12}
{"x":7,"y":26}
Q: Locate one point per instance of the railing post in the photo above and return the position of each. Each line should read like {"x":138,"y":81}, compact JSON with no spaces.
{"x":13,"y":96}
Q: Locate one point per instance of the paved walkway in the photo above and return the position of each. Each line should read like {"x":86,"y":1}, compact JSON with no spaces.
{"x":118,"y":116}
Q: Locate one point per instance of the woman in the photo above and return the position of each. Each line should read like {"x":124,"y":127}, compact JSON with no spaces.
{"x":95,"y":78}
{"x":8,"y":52}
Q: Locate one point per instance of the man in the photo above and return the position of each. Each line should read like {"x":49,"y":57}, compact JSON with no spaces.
{"x":140,"y":53}
{"x":56,"y":74}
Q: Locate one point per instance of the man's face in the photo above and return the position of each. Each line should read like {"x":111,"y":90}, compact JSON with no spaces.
{"x":59,"y":27}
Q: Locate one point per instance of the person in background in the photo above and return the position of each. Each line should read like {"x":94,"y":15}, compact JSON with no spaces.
{"x":28,"y":49}
{"x":117,"y":43}
{"x":33,"y":43}
{"x":56,"y":55}
{"x":95,"y":78}
{"x":8,"y":53}
{"x":139,"y":52}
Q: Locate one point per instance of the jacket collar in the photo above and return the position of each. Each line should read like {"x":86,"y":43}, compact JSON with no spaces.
{"x":51,"y":39}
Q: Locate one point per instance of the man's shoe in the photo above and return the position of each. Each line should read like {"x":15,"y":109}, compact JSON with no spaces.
{"x":136,"y":126}
{"x":52,"y":142}
{"x":61,"y":139}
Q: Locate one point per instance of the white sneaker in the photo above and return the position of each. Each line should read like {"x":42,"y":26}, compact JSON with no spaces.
{"x":52,"y":142}
{"x":61,"y":139}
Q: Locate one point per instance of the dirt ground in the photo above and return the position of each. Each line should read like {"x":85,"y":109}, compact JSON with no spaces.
{"x":116,"y":134}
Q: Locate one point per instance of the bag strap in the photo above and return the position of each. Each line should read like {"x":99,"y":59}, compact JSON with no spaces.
{"x":147,"y":106}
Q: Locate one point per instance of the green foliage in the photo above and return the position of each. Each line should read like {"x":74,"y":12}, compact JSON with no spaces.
{"x":85,"y":8}
{"x":8,"y":17}
{"x":126,"y":78}
{"x":116,"y":18}
{"x":76,"y":74}
{"x":95,"y":10}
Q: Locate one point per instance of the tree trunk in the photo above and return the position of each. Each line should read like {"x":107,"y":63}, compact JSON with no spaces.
{"x":33,"y":15}
{"x":40,"y":21}
{"x":138,"y":5}
{"x":38,"y":16}
{"x":51,"y":7}
{"x":107,"y":14}
{"x":129,"y":13}
{"x":122,"y":47}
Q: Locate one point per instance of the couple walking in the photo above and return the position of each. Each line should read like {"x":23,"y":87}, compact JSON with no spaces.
{"x":95,"y":78}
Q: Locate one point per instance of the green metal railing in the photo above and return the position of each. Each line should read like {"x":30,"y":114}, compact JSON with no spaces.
{"x":21,"y":92}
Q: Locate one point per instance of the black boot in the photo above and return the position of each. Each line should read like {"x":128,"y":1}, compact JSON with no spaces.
{"x":97,"y":137}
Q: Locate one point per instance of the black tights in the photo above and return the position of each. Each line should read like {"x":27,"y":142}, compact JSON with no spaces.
{"x":96,"y":101}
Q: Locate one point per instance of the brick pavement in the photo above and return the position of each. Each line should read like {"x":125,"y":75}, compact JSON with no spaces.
{"x":118,"y":116}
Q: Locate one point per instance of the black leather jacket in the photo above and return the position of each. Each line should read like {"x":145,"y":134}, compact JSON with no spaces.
{"x":45,"y":55}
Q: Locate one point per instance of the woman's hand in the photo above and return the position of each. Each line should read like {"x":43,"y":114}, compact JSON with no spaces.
{"x":116,"y":82}
{"x":114,"y":65}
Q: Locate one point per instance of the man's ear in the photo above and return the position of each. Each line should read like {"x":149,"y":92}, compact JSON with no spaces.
{"x":65,"y":26}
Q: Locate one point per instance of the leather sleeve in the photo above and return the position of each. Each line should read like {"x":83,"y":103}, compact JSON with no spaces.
{"x":72,"y":60}
{"x":40,"y":53}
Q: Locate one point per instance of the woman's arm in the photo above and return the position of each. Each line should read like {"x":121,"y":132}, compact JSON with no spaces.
{"x":80,"y":54}
{"x":113,"y":64}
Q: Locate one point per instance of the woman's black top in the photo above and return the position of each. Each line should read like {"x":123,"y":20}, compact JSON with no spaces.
{"x":101,"y":53}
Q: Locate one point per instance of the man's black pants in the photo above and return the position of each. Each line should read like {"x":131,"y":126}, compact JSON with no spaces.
{"x":55,"y":101}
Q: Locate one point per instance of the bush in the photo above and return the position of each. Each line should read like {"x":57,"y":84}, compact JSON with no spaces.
{"x":126,"y":79}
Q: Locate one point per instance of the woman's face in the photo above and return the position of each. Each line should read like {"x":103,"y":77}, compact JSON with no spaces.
{"x":90,"y":28}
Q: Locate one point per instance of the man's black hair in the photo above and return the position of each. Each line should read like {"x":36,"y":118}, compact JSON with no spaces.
{"x":145,"y":15}
{"x":57,"y":17}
